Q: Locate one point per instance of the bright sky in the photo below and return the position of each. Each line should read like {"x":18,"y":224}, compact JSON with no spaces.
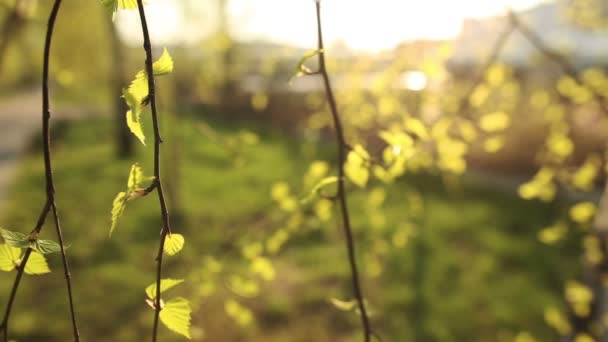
{"x":362,"y":24}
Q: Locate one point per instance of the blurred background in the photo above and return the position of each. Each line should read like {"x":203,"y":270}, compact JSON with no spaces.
{"x":478,"y":131}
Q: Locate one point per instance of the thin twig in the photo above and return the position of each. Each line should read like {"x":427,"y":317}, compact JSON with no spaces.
{"x":341,"y":144}
{"x":50,"y":188}
{"x":166,"y":228}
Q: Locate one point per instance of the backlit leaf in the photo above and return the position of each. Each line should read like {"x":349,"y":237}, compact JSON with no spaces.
{"x":175,"y":315}
{"x":318,"y":188}
{"x":113,"y":5}
{"x":15,"y":239}
{"x":238,"y":312}
{"x":416,"y":126}
{"x":557,"y":321}
{"x":263,"y":267}
{"x":118,"y":207}
{"x":165,"y":284}
{"x":494,"y":122}
{"x":356,"y":166}
{"x":552,"y":234}
{"x":300,"y":68}
{"x":45,"y":246}
{"x":243,"y":287}
{"x":584,"y":338}
{"x":136,"y":176}
{"x":9,"y":257}
{"x":164,"y":65}
{"x":582,"y":212}
{"x":174,"y":243}
{"x":343,"y":305}
{"x":139,"y":87}
{"x":133,"y":115}
{"x":36,"y":264}
{"x":579,"y":296}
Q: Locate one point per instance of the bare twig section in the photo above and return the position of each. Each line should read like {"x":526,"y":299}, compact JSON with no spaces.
{"x":341,"y":195}
{"x":50,"y":189}
{"x":166,"y":226}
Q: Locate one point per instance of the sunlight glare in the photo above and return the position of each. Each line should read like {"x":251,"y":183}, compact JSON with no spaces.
{"x":414,"y":80}
{"x":359,"y":24}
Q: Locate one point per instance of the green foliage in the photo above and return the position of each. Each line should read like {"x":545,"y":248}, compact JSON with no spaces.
{"x":113,"y":5}
{"x":136,"y":177}
{"x":262,"y":266}
{"x":36,"y":264}
{"x":19,"y":240}
{"x":10,"y":259}
{"x":15,"y":239}
{"x":475,"y":236}
{"x":45,"y":246}
{"x":133,"y":115}
{"x":174,"y":243}
{"x":301,"y":69}
{"x":239,"y":313}
{"x":343,"y":305}
{"x":176,"y":315}
{"x":356,"y":167}
{"x":165,"y":284}
{"x":164,"y":65}
{"x":318,"y":188}
{"x":136,"y":95}
{"x":118,"y":207}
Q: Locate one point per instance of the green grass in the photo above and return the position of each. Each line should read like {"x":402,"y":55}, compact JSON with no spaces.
{"x":473,"y":271}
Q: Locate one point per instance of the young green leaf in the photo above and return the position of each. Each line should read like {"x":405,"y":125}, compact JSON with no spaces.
{"x":15,"y":239}
{"x":36,"y":264}
{"x":356,"y":166}
{"x":318,"y":188}
{"x":133,"y":115}
{"x":45,"y":246}
{"x":113,"y":5}
{"x":164,"y":65}
{"x":263,"y":267}
{"x":139,"y":86}
{"x":136,"y":176}
{"x":342,"y":304}
{"x":302,"y":69}
{"x":175,"y":315}
{"x":9,"y":257}
{"x":174,"y":243}
{"x":118,"y":207}
{"x":165,"y":284}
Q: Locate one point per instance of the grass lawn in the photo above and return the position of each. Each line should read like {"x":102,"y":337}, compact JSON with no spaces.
{"x":438,"y":265}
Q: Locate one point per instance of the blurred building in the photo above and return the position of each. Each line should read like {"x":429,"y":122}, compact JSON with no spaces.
{"x":584,"y":46}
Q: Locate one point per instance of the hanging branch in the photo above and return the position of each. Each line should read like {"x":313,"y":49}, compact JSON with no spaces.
{"x":566,"y":66}
{"x":341,"y":194}
{"x":593,"y":273}
{"x":166,"y":226}
{"x":50,"y":191}
{"x":464,"y":104}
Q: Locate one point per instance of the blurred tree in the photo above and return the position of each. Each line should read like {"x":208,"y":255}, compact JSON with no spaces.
{"x":124,"y":144}
{"x":226,"y":50}
{"x":19,"y":12}
{"x":590,"y":14}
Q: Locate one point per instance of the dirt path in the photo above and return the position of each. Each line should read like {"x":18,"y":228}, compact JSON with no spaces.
{"x":20,"y":121}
